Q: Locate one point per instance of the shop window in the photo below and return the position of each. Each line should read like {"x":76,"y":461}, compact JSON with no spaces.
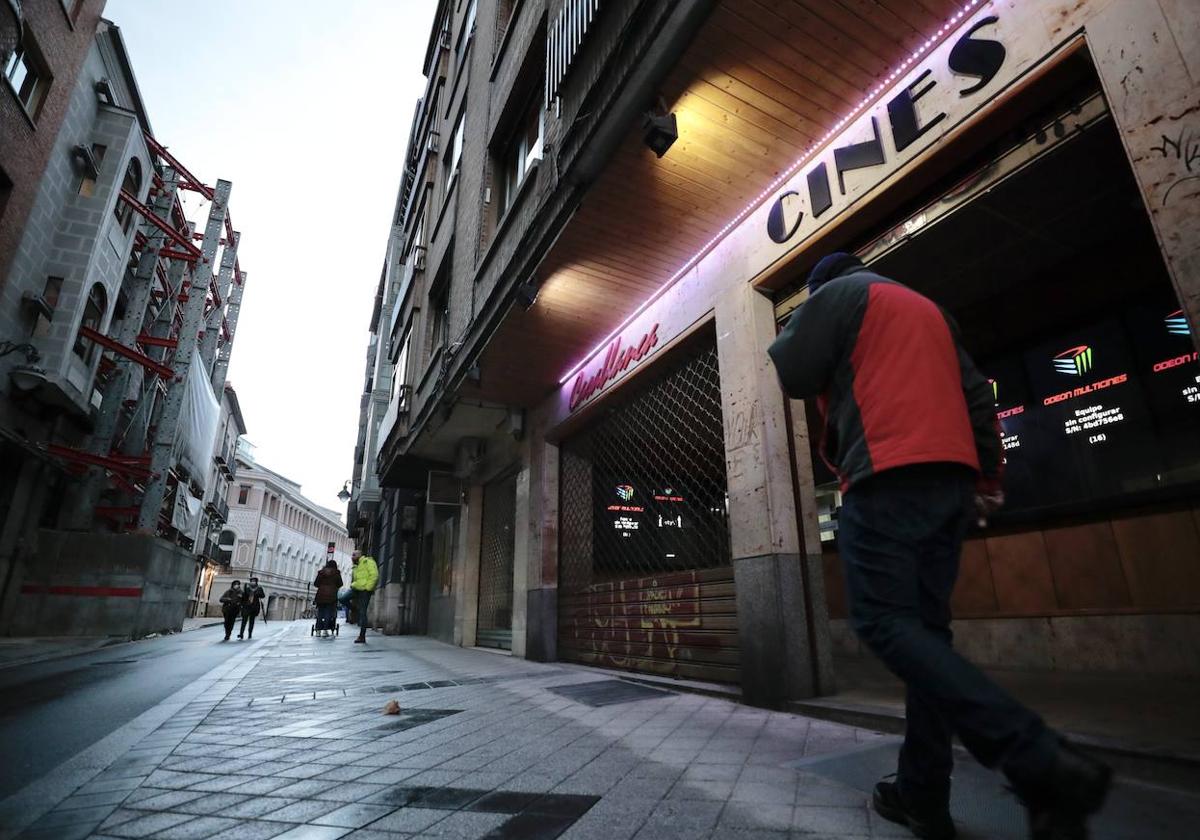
{"x":93,"y":316}
{"x":519,"y":155}
{"x":87,"y":184}
{"x":639,"y":495}
{"x":1068,"y":309}
{"x":132,"y":185}
{"x":28,"y":75}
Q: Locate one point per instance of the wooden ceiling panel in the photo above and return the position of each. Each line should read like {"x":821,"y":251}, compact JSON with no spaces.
{"x":760,"y":82}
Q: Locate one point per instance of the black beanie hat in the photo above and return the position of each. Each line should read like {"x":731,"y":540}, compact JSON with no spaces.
{"x":831,"y":266}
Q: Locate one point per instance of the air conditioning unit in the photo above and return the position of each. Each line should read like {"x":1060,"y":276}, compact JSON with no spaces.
{"x":444,"y":39}
{"x":468,"y":457}
{"x":419,"y":258}
{"x":431,"y":143}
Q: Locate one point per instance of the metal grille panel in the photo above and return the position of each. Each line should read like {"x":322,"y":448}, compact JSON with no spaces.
{"x":644,"y":490}
{"x":645,"y":581}
{"x":496,"y":563}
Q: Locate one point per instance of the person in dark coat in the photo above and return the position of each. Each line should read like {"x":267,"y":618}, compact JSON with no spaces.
{"x":231,"y":606}
{"x":253,"y":597}
{"x":911,"y":431}
{"x":327,"y":584}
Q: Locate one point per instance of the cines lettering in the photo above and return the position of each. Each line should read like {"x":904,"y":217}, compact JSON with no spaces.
{"x":970,"y":56}
{"x":616,"y":360}
{"x":1087,"y":389}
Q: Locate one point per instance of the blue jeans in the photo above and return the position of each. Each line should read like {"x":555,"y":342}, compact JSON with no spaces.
{"x":899,"y":535}
{"x":326,"y":616}
{"x":362,"y":598}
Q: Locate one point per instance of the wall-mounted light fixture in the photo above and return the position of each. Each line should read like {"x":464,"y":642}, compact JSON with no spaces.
{"x":659,"y":129}
{"x":527,"y":293}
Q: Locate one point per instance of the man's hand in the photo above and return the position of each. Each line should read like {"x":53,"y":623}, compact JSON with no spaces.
{"x":987,"y":502}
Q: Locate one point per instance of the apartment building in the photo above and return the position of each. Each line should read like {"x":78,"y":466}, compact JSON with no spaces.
{"x":608,"y":210}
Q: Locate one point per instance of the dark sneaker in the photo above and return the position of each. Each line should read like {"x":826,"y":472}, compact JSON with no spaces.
{"x":929,"y":824}
{"x":1076,"y":789}
{"x":360,"y":641}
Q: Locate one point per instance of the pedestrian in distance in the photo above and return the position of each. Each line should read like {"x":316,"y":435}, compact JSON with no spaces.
{"x":327,"y":584}
{"x":253,"y":597}
{"x":231,"y":606}
{"x":363,"y":580}
{"x":911,"y":431}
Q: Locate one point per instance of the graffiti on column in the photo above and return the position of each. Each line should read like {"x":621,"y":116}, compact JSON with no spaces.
{"x":1184,"y":148}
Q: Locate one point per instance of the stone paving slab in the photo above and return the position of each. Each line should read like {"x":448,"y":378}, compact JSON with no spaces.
{"x":481,"y":750}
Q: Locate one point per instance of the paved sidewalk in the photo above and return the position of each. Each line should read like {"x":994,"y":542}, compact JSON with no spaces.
{"x":289,"y":741}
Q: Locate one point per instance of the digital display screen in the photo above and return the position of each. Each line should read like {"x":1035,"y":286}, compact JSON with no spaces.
{"x":656,"y":520}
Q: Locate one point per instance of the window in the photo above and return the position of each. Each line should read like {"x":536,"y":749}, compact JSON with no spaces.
{"x":28,"y":75}
{"x":6,"y":186}
{"x":45,"y":313}
{"x":400,"y":371}
{"x":439,"y":318}
{"x":132,"y":185}
{"x":243,"y":494}
{"x":93,"y":315}
{"x":464,"y":34}
{"x":87,"y":184}
{"x":454,"y":151}
{"x":519,"y":156}
{"x":504,"y":16}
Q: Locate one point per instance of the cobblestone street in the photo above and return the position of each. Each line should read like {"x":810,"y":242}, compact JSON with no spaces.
{"x":289,"y":740}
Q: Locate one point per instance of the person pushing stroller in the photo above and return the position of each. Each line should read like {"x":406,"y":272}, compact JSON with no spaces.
{"x":327,"y":584}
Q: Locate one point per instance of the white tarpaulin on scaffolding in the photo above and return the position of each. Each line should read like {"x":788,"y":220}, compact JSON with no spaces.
{"x":196,"y":435}
{"x":185,"y":518}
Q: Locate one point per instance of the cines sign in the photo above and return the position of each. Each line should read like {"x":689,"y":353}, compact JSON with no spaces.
{"x":972,"y":55}
{"x":616,"y":361}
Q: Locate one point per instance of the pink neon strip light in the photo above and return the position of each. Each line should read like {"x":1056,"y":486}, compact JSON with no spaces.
{"x":867,"y":100}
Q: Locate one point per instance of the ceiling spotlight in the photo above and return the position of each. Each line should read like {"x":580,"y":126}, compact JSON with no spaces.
{"x":659,"y":131}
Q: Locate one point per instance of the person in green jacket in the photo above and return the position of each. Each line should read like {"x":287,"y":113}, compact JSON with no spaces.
{"x":363,"y":579}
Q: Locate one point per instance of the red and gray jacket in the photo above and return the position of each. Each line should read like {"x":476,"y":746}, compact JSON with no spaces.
{"x":893,"y":383}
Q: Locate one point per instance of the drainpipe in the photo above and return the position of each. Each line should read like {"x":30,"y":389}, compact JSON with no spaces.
{"x":641,"y":89}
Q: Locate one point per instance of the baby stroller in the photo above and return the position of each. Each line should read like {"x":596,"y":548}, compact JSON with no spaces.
{"x":313,"y":630}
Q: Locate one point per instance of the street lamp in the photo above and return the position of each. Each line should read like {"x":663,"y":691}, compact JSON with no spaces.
{"x":344,"y":495}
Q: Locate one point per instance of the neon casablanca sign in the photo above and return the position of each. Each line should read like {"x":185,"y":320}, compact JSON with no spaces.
{"x":616,"y":361}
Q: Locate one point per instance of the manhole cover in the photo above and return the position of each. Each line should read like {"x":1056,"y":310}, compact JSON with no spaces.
{"x":607,"y":692}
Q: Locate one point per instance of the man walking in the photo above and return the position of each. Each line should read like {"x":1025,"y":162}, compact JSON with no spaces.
{"x":252,"y":601}
{"x":231,"y":605}
{"x":363,"y":579}
{"x":910,"y":429}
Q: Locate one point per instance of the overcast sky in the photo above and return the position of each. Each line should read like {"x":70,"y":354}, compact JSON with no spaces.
{"x":305,"y":106}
